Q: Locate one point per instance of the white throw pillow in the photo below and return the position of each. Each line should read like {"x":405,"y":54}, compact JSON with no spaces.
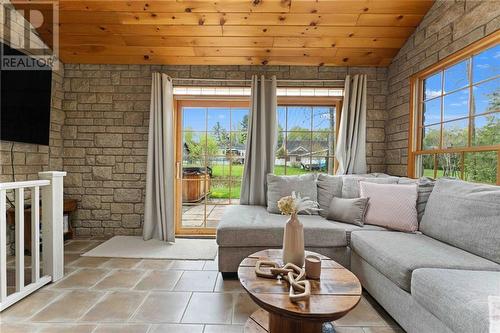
{"x":393,"y":206}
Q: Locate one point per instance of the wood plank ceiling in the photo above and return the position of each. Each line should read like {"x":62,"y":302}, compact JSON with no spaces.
{"x":237,"y":32}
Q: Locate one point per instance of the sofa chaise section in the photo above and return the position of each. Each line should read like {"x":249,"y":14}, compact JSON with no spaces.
{"x":459,"y":298}
{"x":245,"y":229}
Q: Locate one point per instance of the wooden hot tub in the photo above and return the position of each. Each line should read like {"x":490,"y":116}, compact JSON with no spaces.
{"x":195,"y":183}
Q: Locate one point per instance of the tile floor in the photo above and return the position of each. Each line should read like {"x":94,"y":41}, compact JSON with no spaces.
{"x":102,"y":295}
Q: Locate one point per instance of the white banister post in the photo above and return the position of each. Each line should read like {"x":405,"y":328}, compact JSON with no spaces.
{"x":52,"y":224}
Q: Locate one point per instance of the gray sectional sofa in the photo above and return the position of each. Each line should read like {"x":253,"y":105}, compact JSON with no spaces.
{"x":444,"y":278}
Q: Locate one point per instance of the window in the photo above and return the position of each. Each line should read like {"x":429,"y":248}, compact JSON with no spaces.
{"x":455,"y":128}
{"x":306,"y":137}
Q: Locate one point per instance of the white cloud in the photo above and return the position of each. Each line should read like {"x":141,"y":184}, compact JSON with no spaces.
{"x":432,"y":93}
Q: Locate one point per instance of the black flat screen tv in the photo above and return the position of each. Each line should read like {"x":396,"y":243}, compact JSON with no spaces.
{"x":25,"y":103}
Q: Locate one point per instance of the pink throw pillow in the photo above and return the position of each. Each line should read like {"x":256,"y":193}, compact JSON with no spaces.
{"x":393,"y":206}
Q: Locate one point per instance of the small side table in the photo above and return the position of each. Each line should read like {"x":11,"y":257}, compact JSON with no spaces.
{"x":69,"y":207}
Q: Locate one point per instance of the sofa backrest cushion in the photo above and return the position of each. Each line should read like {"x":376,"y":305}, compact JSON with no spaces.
{"x":424,"y":189}
{"x":465,"y":215}
{"x":282,"y":186}
{"x":350,"y":184}
{"x":328,"y":187}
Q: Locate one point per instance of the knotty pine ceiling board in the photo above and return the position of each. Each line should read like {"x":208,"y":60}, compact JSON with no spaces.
{"x":236,"y":32}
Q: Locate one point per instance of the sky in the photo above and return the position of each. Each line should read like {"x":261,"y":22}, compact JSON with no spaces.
{"x":201,"y":119}
{"x":485,"y":66}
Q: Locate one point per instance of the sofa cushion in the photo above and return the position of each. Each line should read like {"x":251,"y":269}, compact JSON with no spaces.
{"x":424,"y":190}
{"x":398,"y":254}
{"x":350,"y":184}
{"x":465,"y":215}
{"x":328,"y":187}
{"x":459,"y":298}
{"x":282,"y":186}
{"x":243,"y":226}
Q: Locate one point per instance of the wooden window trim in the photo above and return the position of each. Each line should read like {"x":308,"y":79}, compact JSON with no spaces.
{"x":415,"y":112}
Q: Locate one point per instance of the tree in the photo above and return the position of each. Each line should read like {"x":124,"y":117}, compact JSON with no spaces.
{"x":221,"y":135}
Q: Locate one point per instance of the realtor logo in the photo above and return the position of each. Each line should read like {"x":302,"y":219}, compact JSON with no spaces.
{"x":30,"y":35}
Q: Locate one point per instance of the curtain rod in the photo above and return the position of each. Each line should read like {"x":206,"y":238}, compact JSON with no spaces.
{"x":245,"y":80}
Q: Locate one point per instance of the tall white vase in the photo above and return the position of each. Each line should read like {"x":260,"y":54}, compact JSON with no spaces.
{"x":293,"y":242}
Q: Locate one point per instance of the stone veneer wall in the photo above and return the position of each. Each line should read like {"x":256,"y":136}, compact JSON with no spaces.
{"x":106,"y":126}
{"x":448,"y":27}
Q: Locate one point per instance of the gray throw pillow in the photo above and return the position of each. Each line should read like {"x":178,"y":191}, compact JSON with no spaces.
{"x":348,"y":210}
{"x":328,"y":187}
{"x":350,"y":185}
{"x":282,"y":186}
{"x":424,"y":189}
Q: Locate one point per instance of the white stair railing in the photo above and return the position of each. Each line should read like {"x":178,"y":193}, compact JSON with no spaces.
{"x":51,"y":185}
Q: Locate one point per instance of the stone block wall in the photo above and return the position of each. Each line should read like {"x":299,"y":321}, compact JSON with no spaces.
{"x":448,"y":27}
{"x":106,"y":129}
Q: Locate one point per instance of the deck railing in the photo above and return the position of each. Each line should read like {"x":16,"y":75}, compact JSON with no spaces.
{"x":50,"y":187}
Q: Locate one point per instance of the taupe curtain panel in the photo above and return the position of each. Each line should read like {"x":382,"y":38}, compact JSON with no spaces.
{"x":160,"y":201}
{"x":351,"y":140}
{"x":261,"y":141}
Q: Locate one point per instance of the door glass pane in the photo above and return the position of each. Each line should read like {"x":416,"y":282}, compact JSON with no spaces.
{"x":323,"y":119}
{"x":481,"y":167}
{"x":486,"y":130}
{"x":487,"y":97}
{"x":432,"y":111}
{"x":323,"y":143}
{"x":194,"y":119}
{"x":486,"y":64}
{"x":214,"y":146}
{"x":448,"y":165}
{"x":456,"y":76}
{"x":282,"y":118}
{"x":456,"y":105}
{"x":299,"y":118}
{"x":432,"y":86}
{"x":455,"y":133}
{"x":239,"y":119}
{"x":431,"y":137}
{"x":218,"y":119}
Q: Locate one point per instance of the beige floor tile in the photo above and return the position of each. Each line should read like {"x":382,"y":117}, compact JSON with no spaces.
{"x":196,"y":281}
{"x":159,"y":280}
{"x":125,"y":328}
{"x":209,"y":308}
{"x":117,"y":306}
{"x":61,"y":328}
{"x":79,"y":246}
{"x":123,"y":263}
{"x":30,"y":305}
{"x":70,"y":258}
{"x":69,"y":307}
{"x":243,"y":308}
{"x":18,"y":328}
{"x":227,"y":285}
{"x":89,"y":262}
{"x":157,"y":264}
{"x":385,"y":329}
{"x":120,"y":279}
{"x":69,"y":269}
{"x":83,"y":278}
{"x":162,"y":307}
{"x":190,"y":265}
{"x":364,"y":314}
{"x":223,"y":329}
{"x":176,"y":328}
{"x":347,"y":329}
{"x":211,"y":265}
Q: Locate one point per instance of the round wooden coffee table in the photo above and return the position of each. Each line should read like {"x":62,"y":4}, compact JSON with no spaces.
{"x":332,"y":296}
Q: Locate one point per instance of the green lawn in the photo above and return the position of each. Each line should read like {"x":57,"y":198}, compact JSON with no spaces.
{"x":223,"y":178}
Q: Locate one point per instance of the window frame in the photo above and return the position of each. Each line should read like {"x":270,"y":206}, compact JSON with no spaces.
{"x":416,"y":110}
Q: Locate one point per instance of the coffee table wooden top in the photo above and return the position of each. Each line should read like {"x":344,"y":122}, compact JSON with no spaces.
{"x":336,"y":293}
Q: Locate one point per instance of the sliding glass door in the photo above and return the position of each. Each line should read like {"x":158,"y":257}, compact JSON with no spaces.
{"x":211,"y":144}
